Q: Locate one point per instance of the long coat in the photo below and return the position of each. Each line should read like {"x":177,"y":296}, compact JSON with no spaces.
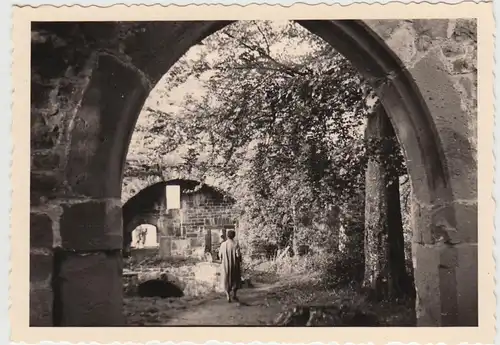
{"x":230,"y":255}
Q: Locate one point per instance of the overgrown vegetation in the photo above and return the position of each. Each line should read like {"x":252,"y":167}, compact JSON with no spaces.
{"x":277,"y":118}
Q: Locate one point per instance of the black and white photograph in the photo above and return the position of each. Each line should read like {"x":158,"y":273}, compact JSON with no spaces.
{"x":257,"y":172}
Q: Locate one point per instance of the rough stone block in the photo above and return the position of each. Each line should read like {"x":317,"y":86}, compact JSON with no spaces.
{"x":452,"y":123}
{"x":467,"y":285}
{"x":49,"y":64}
{"x":165,"y":247}
{"x":107,"y":114}
{"x":41,"y":268}
{"x":452,"y":49}
{"x":44,"y":186}
{"x":92,"y":225}
{"x":465,"y":29}
{"x":402,"y":42}
{"x":448,"y":285}
{"x":445,"y":281}
{"x":384,"y":28}
{"x":43,"y":135}
{"x":434,"y":28}
{"x":428,"y":306}
{"x":467,"y":221}
{"x":41,"y":302}
{"x":44,"y":160}
{"x":453,"y":223}
{"x":44,"y":97}
{"x":96,"y":280}
{"x":41,"y":233}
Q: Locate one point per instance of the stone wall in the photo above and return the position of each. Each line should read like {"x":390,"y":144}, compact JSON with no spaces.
{"x":205,"y":214}
{"x":194,"y":280}
{"x":451,"y":45}
{"x":89,"y":82}
{"x":441,"y":55}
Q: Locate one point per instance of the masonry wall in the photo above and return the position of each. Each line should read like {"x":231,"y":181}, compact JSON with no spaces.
{"x":205,"y":219}
{"x":89,"y":81}
{"x":441,"y":55}
{"x":448,"y":46}
{"x":193,"y":229}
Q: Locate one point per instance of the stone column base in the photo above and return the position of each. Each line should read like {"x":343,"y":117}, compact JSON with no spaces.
{"x":165,"y":246}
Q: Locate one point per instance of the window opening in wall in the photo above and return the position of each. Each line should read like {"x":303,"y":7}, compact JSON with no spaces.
{"x":145,"y":236}
{"x":173,"y":197}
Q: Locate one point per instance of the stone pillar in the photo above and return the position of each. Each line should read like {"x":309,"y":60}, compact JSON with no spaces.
{"x":41,"y":266}
{"x":165,"y":247}
{"x":208,"y":240}
{"x":165,"y":240}
{"x":166,"y":226}
{"x":82,"y":115}
{"x":445,"y":263}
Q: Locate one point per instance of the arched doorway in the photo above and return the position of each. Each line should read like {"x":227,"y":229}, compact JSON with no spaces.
{"x":112,"y":79}
{"x":199,"y":203}
{"x":145,"y":236}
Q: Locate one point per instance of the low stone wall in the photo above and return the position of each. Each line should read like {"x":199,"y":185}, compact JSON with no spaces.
{"x":194,"y":280}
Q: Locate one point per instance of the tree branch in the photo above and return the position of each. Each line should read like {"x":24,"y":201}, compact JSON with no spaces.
{"x":287,"y":69}
{"x":268,"y":48}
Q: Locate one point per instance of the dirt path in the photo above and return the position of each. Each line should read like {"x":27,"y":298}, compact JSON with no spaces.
{"x":259,"y":306}
{"x":256,"y":307}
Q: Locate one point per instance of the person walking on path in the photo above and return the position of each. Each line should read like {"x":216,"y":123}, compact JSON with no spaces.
{"x":230,"y":255}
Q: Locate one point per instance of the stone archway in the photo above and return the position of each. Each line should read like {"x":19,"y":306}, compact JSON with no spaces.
{"x":202,"y":208}
{"x":90,"y":80}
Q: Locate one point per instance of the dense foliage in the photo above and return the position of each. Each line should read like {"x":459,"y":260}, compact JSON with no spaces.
{"x":279,"y":119}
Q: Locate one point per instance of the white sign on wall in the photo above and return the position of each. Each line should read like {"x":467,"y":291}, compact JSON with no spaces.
{"x":173,"y":197}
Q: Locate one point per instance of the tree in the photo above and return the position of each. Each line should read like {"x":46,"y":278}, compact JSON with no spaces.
{"x":385,"y":272}
{"x":280,"y":117}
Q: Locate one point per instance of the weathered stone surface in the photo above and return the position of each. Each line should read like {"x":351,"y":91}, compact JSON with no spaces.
{"x":44,"y":135}
{"x":466,"y":215}
{"x":445,"y":293}
{"x":452,"y":125}
{"x":45,"y":160}
{"x":384,"y":28}
{"x":41,"y":300}
{"x":467,"y":285}
{"x":91,"y":225}
{"x":97,"y":282}
{"x":166,"y":246}
{"x":45,"y":186}
{"x":194,"y":280}
{"x":41,"y":231}
{"x":204,"y":207}
{"x":452,"y":48}
{"x":427,"y":285}
{"x":465,"y":29}
{"x":69,"y":69}
{"x":451,"y":223}
{"x":106,"y":116}
{"x":403,"y":42}
{"x":434,"y":28}
{"x":44,"y":95}
{"x":41,"y":266}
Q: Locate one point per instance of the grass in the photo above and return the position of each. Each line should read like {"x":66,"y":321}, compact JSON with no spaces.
{"x":301,"y":286}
